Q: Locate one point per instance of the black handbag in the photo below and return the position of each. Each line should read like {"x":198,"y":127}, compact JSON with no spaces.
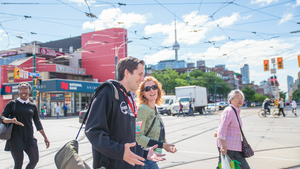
{"x":6,"y":128}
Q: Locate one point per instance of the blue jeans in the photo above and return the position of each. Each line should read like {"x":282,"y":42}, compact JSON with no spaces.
{"x":190,"y":112}
{"x":150,"y":165}
{"x":180,"y":113}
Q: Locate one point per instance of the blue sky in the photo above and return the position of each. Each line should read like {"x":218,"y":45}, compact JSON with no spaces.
{"x":221,"y":32}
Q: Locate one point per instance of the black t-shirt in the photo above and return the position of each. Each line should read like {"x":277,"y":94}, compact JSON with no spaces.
{"x":22,"y":136}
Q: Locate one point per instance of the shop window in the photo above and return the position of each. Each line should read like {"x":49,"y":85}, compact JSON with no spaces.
{"x":79,"y":63}
{"x":83,"y":100}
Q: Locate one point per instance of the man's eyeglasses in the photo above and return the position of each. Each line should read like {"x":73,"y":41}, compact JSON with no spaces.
{"x":148,"y":88}
{"x":23,"y":90}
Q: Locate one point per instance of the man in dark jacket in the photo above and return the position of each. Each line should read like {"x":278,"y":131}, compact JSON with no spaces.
{"x":112,"y":133}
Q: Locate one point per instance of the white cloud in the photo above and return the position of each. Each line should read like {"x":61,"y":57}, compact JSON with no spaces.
{"x":2,"y":34}
{"x":192,"y":30}
{"x":114,"y":17}
{"x":297,"y":3}
{"x":286,"y":17}
{"x":82,"y":2}
{"x":247,"y":17}
{"x":262,"y":2}
{"x":161,"y":55}
{"x":217,"y":38}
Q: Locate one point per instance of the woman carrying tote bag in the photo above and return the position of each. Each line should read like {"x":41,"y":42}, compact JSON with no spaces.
{"x":22,"y":138}
{"x":229,"y":133}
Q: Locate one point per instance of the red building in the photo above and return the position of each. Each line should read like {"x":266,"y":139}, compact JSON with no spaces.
{"x":99,"y":50}
{"x":81,"y":61}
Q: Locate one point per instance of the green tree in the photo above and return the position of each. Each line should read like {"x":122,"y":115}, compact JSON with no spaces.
{"x":167,"y":79}
{"x":282,"y":94}
{"x":257,"y":97}
{"x":248,"y":93}
{"x":296,"y":94}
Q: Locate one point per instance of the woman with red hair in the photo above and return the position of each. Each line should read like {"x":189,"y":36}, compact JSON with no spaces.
{"x":151,"y":129}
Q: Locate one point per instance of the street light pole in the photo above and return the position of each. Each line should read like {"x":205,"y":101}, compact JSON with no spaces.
{"x":34,"y":69}
{"x":116,"y":57}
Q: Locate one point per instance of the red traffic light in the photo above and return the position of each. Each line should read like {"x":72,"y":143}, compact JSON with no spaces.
{"x":266,"y":62}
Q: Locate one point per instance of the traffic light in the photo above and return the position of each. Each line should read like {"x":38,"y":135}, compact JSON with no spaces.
{"x":266,"y":65}
{"x":17,"y":73}
{"x":276,"y":82}
{"x":37,"y":81}
{"x":279,"y":63}
{"x":299,"y":60}
{"x":272,"y":81}
{"x":276,"y":103}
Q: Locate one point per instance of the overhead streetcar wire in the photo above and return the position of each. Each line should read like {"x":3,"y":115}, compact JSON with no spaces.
{"x":262,"y":12}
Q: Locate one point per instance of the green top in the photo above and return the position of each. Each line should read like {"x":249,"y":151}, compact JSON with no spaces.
{"x":146,"y":114}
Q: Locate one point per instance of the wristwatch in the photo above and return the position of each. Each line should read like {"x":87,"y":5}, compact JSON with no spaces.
{"x":224,"y":145}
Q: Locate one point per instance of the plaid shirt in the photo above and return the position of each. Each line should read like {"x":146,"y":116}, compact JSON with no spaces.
{"x":229,"y":129}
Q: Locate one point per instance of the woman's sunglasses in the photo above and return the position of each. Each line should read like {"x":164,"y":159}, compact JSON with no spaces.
{"x":148,"y":88}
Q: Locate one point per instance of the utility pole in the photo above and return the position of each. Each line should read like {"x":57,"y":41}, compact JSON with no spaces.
{"x":145,"y":70}
{"x":215,"y":91}
{"x":33,"y":77}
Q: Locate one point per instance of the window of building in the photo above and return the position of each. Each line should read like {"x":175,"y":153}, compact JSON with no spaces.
{"x":70,"y":49}
{"x":60,"y":49}
{"x":10,"y":76}
{"x":79,"y":63}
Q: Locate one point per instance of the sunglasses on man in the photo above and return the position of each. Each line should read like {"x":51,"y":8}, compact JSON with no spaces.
{"x":148,"y":88}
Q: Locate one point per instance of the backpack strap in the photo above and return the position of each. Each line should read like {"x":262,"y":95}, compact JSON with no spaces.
{"x":152,"y":124}
{"x":97,"y":91}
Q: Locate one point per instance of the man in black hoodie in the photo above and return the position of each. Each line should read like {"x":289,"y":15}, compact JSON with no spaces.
{"x":112,"y":133}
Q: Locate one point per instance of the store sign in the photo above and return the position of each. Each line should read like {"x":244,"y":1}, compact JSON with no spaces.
{"x":50,"y":52}
{"x":7,"y":97}
{"x":67,"y":69}
{"x":70,"y":86}
{"x":57,"y":96}
{"x":8,"y":53}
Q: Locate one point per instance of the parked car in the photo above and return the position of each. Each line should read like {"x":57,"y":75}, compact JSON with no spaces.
{"x":253,"y":104}
{"x":222,"y":105}
{"x":82,"y":113}
{"x":166,"y":108}
{"x":211,"y":107}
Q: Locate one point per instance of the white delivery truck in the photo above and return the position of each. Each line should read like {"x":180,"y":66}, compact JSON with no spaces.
{"x":166,"y":108}
{"x":196,"y":94}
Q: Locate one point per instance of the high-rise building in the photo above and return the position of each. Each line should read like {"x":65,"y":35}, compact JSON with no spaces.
{"x":171,"y":64}
{"x":191,"y":64}
{"x":200,"y":63}
{"x":245,"y":74}
{"x":290,"y":81}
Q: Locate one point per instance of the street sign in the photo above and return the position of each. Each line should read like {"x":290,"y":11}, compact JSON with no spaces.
{"x":21,"y":73}
{"x":273,"y":60}
{"x":25,"y":74}
{"x":33,"y":74}
{"x":273,"y":71}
